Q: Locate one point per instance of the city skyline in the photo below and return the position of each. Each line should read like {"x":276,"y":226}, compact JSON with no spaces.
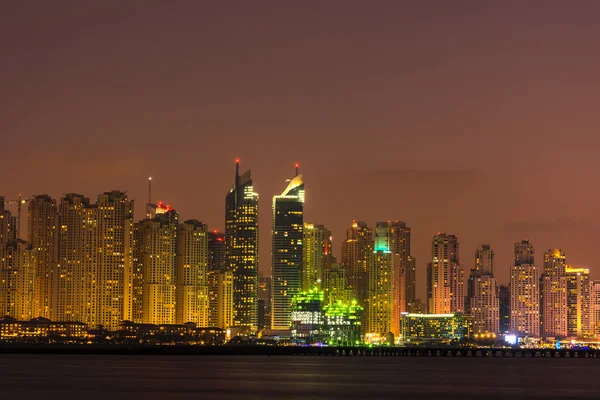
{"x":501,"y":272}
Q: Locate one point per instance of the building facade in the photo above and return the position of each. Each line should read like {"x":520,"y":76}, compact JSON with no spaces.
{"x":316,"y":247}
{"x":554,"y":295}
{"x":356,"y":251}
{"x":578,"y":302}
{"x":191,"y":293}
{"x":445,"y":276}
{"x":241,"y":255}
{"x":42,"y":234}
{"x":287,"y":250}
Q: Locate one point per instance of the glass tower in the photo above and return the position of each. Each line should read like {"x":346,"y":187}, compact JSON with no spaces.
{"x":241,"y":249}
{"x":287,"y":235}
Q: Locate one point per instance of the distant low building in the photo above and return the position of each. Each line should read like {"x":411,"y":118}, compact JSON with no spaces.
{"x":41,"y":328}
{"x":435,"y":327}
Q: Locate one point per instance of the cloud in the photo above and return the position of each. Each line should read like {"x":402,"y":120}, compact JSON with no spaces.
{"x":560,"y":224}
{"x":423,"y":178}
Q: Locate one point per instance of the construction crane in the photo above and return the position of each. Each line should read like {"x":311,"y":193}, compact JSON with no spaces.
{"x":19,"y":204}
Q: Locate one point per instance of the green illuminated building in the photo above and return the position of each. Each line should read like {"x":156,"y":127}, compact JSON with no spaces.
{"x":341,"y":323}
{"x":307,"y":314}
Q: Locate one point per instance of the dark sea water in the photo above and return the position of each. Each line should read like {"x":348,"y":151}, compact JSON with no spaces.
{"x":294,"y":377}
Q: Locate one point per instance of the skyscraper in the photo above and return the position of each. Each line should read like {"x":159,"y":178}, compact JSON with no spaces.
{"x":394,"y":238}
{"x":77,"y":262}
{"x":316,"y":250}
{"x":220,"y":299}
{"x":159,"y":249}
{"x":241,"y":256}
{"x":335,"y":286}
{"x":504,"y":304}
{"x":483,"y":292}
{"x":114,"y":261}
{"x":17,"y":273}
{"x":43,"y":236}
{"x":380,"y":302}
{"x":356,"y":250}
{"x":446,"y":276}
{"x":554,"y":295}
{"x":594,"y":317}
{"x":287,"y":234}
{"x":7,"y":224}
{"x":216,"y":251}
{"x":524,"y":292}
{"x":578,"y":302}
{"x":191,"y":295}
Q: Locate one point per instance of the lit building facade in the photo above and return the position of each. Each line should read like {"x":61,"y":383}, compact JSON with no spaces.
{"x":484,"y":304}
{"x":342,"y":323}
{"x":287,"y":250}
{"x":17,"y":280}
{"x":78,"y":260}
{"x":525,"y":300}
{"x":220,"y":299}
{"x":578,"y":302}
{"x":114,"y":259}
{"x":594,"y":317}
{"x":241,"y":255}
{"x":307,"y":318}
{"x":191,"y":293}
{"x":445,"y":276}
{"x":356,"y":251}
{"x":7,"y":224}
{"x":435,"y":327}
{"x":316,"y":247}
{"x":335,"y":285}
{"x":554,"y":295}
{"x":158,"y":254}
{"x":42,"y":234}
{"x":380,"y":302}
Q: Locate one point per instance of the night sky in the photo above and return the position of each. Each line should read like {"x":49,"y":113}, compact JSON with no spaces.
{"x":475,"y":118}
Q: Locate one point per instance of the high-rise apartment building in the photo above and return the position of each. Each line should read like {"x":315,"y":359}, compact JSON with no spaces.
{"x":316,"y":247}
{"x":484,"y":304}
{"x":356,"y":250}
{"x":77,"y":261}
{"x":335,"y":286}
{"x":158,"y":254}
{"x":287,"y":250}
{"x":380,"y":302}
{"x":594,"y":317}
{"x":17,"y":280}
{"x":525,"y":300}
{"x":114,"y":259}
{"x":241,"y":256}
{"x":220,"y":299}
{"x":7,"y":224}
{"x":42,"y":234}
{"x":191,"y":294}
{"x":445,"y":276}
{"x":554,"y":295}
{"x":578,"y":302}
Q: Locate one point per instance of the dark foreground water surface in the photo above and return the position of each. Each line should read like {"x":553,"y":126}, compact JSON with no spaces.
{"x":290,"y":378}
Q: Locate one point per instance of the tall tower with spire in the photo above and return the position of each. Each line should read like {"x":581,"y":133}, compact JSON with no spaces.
{"x":241,"y":249}
{"x":287,"y":234}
